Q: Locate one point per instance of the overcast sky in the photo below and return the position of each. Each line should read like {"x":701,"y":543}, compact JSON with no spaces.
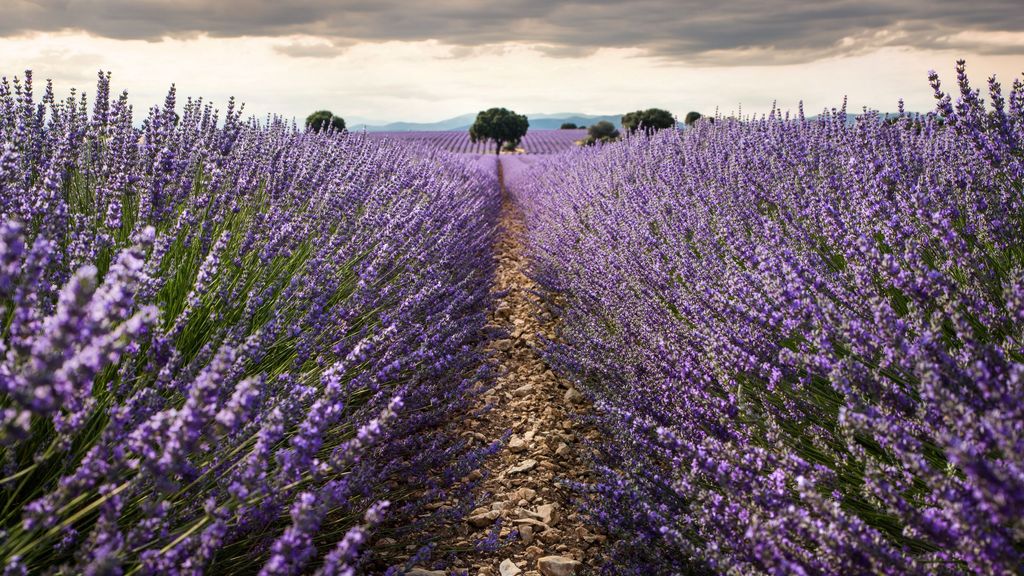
{"x":385,"y":60}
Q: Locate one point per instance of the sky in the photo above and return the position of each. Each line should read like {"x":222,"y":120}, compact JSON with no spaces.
{"x":390,"y":60}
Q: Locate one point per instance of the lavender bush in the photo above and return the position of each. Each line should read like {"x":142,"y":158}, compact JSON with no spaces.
{"x":227,"y":345}
{"x":804,"y":338}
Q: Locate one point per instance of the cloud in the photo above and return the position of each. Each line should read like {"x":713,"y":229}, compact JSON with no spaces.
{"x":310,"y":48}
{"x":705,"y":32}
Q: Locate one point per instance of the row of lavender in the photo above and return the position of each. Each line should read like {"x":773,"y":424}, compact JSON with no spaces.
{"x":805,"y":338}
{"x":227,"y":345}
{"x":535,"y":141}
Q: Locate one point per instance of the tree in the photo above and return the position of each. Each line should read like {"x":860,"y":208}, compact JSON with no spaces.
{"x":568,"y":126}
{"x":603,"y":131}
{"x":651,"y":120}
{"x":691,"y":118}
{"x":323,"y":119}
{"x":500,"y":126}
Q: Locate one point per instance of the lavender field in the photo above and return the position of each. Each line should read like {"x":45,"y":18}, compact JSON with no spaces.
{"x":227,"y":345}
{"x":803,"y":338}
{"x":768,"y":345}
{"x":535,"y":141}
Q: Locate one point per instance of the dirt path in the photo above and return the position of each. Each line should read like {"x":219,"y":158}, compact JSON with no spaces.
{"x":539,"y":531}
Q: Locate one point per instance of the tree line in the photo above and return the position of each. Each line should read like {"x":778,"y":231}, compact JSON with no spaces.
{"x":506,"y":129}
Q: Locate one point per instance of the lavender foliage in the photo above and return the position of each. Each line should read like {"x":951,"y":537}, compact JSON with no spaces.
{"x":226,"y":345}
{"x":803,"y":337}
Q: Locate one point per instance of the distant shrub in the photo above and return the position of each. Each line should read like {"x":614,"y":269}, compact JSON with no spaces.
{"x":603,"y":131}
{"x":650,"y":120}
{"x":568,"y":126}
{"x":691,"y":118}
{"x":323,"y":119}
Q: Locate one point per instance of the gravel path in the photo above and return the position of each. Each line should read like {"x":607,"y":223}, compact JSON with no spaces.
{"x":520,"y":495}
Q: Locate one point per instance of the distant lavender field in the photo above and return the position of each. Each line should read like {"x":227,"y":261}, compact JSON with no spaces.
{"x":535,"y":142}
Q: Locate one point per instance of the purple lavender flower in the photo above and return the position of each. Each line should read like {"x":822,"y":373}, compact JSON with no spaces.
{"x":801,"y":336}
{"x":207,"y":324}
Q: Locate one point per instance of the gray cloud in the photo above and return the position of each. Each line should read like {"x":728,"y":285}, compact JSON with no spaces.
{"x":696,"y":31}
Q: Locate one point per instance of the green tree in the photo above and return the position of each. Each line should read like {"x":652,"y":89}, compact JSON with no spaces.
{"x":568,"y":126}
{"x":692,"y":117}
{"x":500,"y":126}
{"x":323,"y":119}
{"x":651,"y":120}
{"x":603,"y":131}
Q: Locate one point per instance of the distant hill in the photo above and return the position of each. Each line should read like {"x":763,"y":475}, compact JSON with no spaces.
{"x":457,"y":123}
{"x":555,"y":121}
{"x":463,"y":122}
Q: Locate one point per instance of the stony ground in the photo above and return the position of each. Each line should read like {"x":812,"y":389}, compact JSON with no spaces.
{"x":540,"y":533}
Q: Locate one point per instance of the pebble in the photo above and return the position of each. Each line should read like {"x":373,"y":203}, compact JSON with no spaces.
{"x":483,"y":520}
{"x":508,"y":568}
{"x":523,"y":493}
{"x":550,"y":536}
{"x":523,"y":390}
{"x":534,"y":551}
{"x":524,"y":466}
{"x":424,"y":572}
{"x":557,"y":566}
{"x":530,"y":522}
{"x":548,"y":514}
{"x":572,"y":396}
{"x":516,"y":444}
